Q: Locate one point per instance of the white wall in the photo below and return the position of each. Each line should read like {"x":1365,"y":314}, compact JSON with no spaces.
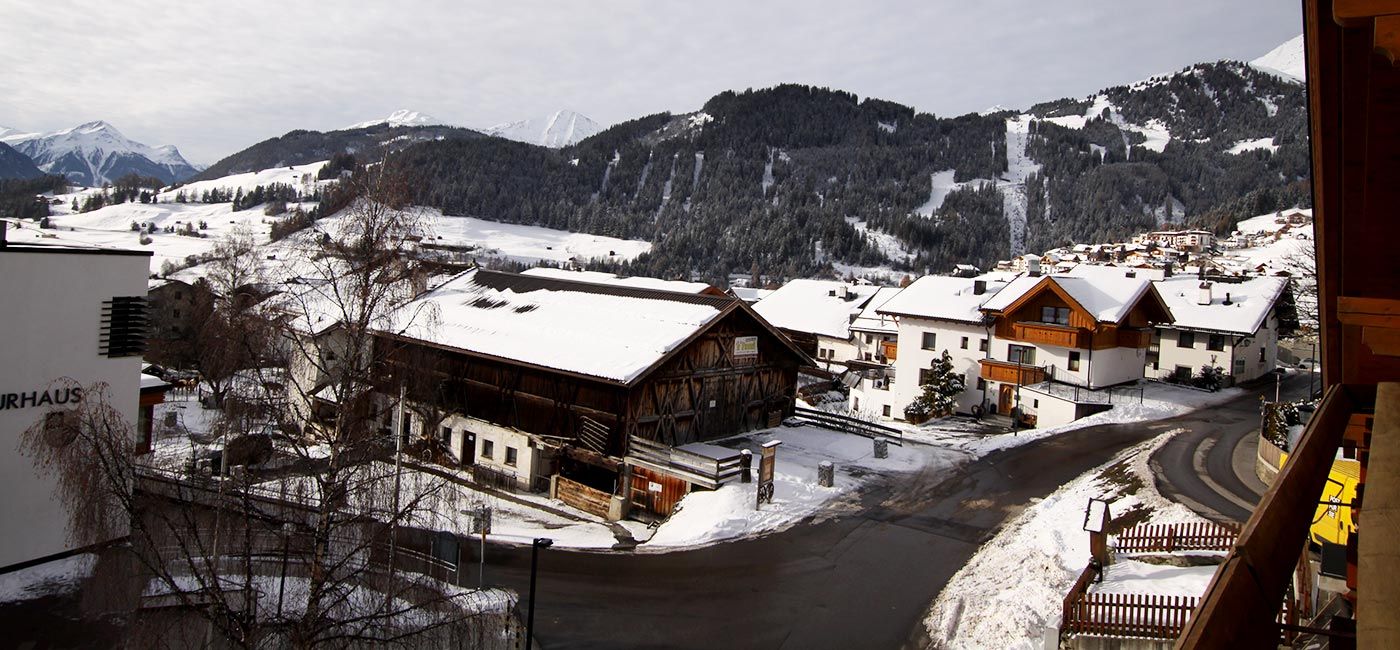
{"x":1049,"y":411}
{"x":1240,"y":358}
{"x":501,"y":438}
{"x":1112,"y":366}
{"x":912,"y":358}
{"x":50,"y":326}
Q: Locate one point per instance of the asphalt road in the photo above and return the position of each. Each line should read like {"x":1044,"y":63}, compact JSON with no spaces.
{"x":864,"y":580}
{"x":1209,"y":467}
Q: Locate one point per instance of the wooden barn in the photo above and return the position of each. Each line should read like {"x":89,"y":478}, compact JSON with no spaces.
{"x":588,"y":385}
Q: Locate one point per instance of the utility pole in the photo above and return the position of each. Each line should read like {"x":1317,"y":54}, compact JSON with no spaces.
{"x":540,"y":542}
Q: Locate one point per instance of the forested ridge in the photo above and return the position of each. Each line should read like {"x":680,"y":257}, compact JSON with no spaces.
{"x":791,"y":178}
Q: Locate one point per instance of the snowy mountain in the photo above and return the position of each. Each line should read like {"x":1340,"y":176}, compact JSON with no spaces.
{"x":14,"y":164}
{"x":401,"y":117}
{"x":562,"y":129}
{"x":96,"y":152}
{"x":1285,"y":60}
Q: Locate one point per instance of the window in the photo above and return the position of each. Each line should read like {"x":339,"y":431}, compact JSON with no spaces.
{"x":869,"y":357}
{"x":1183,"y":373}
{"x":925,"y":376}
{"x":930,"y":340}
{"x":1074,"y":361}
{"x":447,"y":436}
{"x":1055,"y":315}
{"x":1035,"y":403}
{"x":1216,"y":342}
{"x":488,"y":448}
{"x":855,"y":403}
{"x":1261,"y":355}
{"x":1022,"y":354}
{"x":510,"y":456}
{"x":982,"y":345}
{"x":176,"y":313}
{"x":886,"y":410}
{"x":964,"y":343}
{"x":1186,"y":339}
{"x":869,"y":339}
{"x":981,"y":384}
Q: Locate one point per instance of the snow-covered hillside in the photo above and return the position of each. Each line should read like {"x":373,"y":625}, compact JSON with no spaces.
{"x":561,"y":129}
{"x":401,"y":117}
{"x":96,"y":153}
{"x":1285,"y":60}
{"x":300,"y":177}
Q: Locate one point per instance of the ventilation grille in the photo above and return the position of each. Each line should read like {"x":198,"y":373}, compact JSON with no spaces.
{"x":123,"y":331}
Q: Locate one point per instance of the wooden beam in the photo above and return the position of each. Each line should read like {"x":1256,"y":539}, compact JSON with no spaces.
{"x":1387,"y":37}
{"x":1357,"y":13}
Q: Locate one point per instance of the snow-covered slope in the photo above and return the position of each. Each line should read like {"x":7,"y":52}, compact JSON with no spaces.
{"x":401,"y":117}
{"x":96,"y":152}
{"x":1285,"y":60}
{"x":561,"y":129}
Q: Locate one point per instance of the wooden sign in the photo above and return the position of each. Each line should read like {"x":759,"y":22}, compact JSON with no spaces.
{"x":746,"y":346}
{"x":765,"y":472}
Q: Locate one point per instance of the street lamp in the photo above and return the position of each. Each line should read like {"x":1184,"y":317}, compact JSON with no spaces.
{"x":539,"y":543}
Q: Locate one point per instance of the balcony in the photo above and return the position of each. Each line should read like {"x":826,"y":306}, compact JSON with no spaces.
{"x":889,"y":349}
{"x":1049,"y":334}
{"x":1135,"y":338}
{"x":1011,"y":373}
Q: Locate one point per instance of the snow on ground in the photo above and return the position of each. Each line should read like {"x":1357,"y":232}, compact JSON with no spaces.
{"x":708,"y":517}
{"x":1013,"y":182}
{"x":1251,"y":145}
{"x":1286,"y":60}
{"x":1012,"y":589}
{"x":1159,"y":401}
{"x":1137,"y":577}
{"x":47,"y":579}
{"x":527,"y":244}
{"x":300,"y":177}
{"x":888,"y":244}
{"x":942,"y":184}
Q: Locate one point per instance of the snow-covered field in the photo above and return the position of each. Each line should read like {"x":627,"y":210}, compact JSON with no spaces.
{"x":1007,"y":595}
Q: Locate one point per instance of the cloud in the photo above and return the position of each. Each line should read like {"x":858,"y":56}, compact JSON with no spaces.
{"x":215,"y":77}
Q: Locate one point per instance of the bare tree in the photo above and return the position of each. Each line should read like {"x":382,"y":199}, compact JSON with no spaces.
{"x":310,"y":549}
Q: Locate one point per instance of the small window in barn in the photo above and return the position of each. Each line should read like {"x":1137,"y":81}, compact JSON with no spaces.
{"x":930,"y":340}
{"x":886,"y":410}
{"x":510,"y":456}
{"x":488,"y":448}
{"x":1261,"y":355}
{"x":447,"y":436}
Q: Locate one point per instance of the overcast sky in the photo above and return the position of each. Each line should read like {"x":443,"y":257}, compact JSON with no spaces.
{"x":213,"y":78}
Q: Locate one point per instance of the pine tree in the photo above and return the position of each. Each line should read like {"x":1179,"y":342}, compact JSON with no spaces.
{"x":940,"y":394}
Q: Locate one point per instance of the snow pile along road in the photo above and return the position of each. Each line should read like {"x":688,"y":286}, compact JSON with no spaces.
{"x":1011,"y":591}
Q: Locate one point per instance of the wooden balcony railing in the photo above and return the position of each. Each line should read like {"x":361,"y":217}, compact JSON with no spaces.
{"x":890,"y":349}
{"x":1049,"y":334}
{"x":1011,"y":373}
{"x":1134,"y":338}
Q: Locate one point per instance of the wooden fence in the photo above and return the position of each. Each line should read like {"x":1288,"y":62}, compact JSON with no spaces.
{"x":1127,"y":615}
{"x":850,"y":425}
{"x":578,"y":495}
{"x":1168,"y":538}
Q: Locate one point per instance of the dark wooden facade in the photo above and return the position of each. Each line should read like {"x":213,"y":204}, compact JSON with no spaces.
{"x":703,"y":390}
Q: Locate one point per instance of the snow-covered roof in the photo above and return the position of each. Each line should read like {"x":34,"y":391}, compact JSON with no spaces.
{"x":1250,"y":302}
{"x":152,"y":382}
{"x":945,"y":298}
{"x":815,"y":306}
{"x":614,"y":333}
{"x":639,"y":282}
{"x":870,"y":320}
{"x":1108,"y":298}
{"x":750,"y":294}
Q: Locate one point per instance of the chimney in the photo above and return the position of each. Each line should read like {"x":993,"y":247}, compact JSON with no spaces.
{"x":1033,"y":267}
{"x":1167,"y":271}
{"x":1204,"y":298}
{"x":979,"y":287}
{"x":843,"y":292}
{"x":1131,"y":274}
{"x":1227,"y":298}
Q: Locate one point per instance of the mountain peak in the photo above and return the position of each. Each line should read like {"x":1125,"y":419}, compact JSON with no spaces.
{"x":95,"y":152}
{"x":401,"y":117}
{"x":561,"y":128}
{"x":1285,"y":60}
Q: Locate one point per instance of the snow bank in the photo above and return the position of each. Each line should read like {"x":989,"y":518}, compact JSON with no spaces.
{"x":47,"y":579}
{"x":1012,"y":589}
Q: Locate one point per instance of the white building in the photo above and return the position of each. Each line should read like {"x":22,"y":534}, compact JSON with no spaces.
{"x":74,"y":320}
{"x":817,"y":316}
{"x":936,"y":314}
{"x":1229,"y":324}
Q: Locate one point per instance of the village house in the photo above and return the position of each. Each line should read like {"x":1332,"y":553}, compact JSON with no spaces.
{"x":1227,"y":323}
{"x":817,"y":316}
{"x":937,"y":314}
{"x":876,"y":339}
{"x":1194,"y":241}
{"x":605,"y":394}
{"x":1059,"y":342}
